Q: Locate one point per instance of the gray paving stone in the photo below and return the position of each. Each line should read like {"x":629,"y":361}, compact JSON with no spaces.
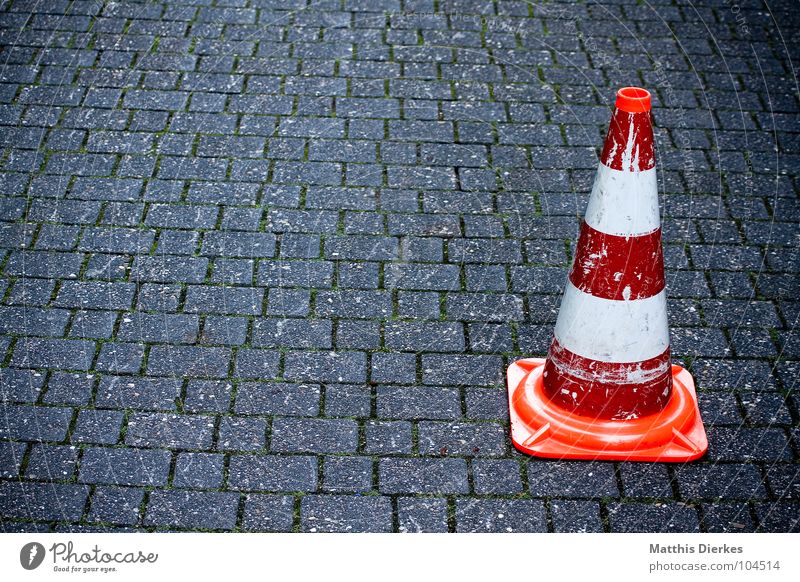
{"x":326,"y":366}
{"x":462,"y":439}
{"x":337,"y":513}
{"x":422,"y":514}
{"x":190,"y":360}
{"x":117,"y":505}
{"x":433,"y":336}
{"x":485,"y":403}
{"x":44,"y":353}
{"x":386,"y":437}
{"x":396,"y":402}
{"x":242,"y":434}
{"x":272,"y":473}
{"x":207,"y":396}
{"x":70,"y":389}
{"x":228,"y":331}
{"x":125,"y":392}
{"x":645,"y":480}
{"x":461,"y":369}
{"x":268,"y":513}
{"x":149,"y":429}
{"x":278,"y":398}
{"x":126,"y":466}
{"x":423,"y":277}
{"x":20,"y":385}
{"x":100,"y":427}
{"x":412,"y":475}
{"x":296,"y":333}
{"x":595,"y":479}
{"x":44,"y":501}
{"x":120,"y":358}
{"x":169,"y":269}
{"x":500,"y":515}
{"x":781,"y":516}
{"x":260,"y":364}
{"x":746,"y":444}
{"x":347,"y":474}
{"x":313,"y":435}
{"x":484,"y":307}
{"x":354,"y":304}
{"x":347,"y":400}
{"x":728,"y":518}
{"x":11,"y":458}
{"x":784,"y":480}
{"x":735,"y":481}
{"x":229,"y":300}
{"x":192,"y":509}
{"x":30,"y":423}
{"x":497,"y":476}
{"x":639,"y":517}
{"x":198,"y":471}
{"x":51,"y":462}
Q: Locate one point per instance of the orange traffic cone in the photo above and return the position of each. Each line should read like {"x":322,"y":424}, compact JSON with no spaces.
{"x":607,"y":389}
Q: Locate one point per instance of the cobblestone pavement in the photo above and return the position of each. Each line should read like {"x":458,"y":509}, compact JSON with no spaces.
{"x":265,"y":261}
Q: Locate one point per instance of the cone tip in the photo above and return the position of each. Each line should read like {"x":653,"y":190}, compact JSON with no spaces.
{"x":633,"y":100}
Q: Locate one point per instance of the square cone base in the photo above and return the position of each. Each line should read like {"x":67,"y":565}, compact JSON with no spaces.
{"x":543,"y":429}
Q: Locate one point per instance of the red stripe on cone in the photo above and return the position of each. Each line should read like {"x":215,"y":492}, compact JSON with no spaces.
{"x":629,"y":142}
{"x":607,"y":389}
{"x":618,"y":267}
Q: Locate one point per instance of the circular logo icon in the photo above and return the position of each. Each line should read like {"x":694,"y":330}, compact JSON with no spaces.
{"x":31,"y":555}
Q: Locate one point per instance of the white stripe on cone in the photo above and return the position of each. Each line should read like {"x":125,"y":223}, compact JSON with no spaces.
{"x":623,"y":203}
{"x":612,"y":331}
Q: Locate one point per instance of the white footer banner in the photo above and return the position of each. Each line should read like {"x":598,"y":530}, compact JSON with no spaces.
{"x":209,"y":556}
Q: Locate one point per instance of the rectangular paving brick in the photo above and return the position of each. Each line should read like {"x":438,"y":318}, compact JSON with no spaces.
{"x":423,"y":277}
{"x":735,"y":481}
{"x":45,"y":501}
{"x":326,"y":366}
{"x":640,"y":517}
{"x":128,"y":466}
{"x":260,"y":364}
{"x":169,"y":431}
{"x":422,"y":514}
{"x":189,"y":361}
{"x":31,"y":423}
{"x":44,"y":353}
{"x":292,"y":333}
{"x":268,"y":513}
{"x":440,"y":476}
{"x":225,"y":299}
{"x":484,"y":307}
{"x":565,"y":479}
{"x":192,"y":509}
{"x":340,"y":513}
{"x":169,"y":269}
{"x":117,"y":505}
{"x":313,"y":435}
{"x":272,"y":473}
{"x":473,"y":439}
{"x":418,"y":402}
{"x":128,"y":392}
{"x":354,"y":304}
{"x":277,"y":398}
{"x":428,"y":336}
{"x":461,"y":369}
{"x":159,"y":328}
{"x":500,"y":516}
